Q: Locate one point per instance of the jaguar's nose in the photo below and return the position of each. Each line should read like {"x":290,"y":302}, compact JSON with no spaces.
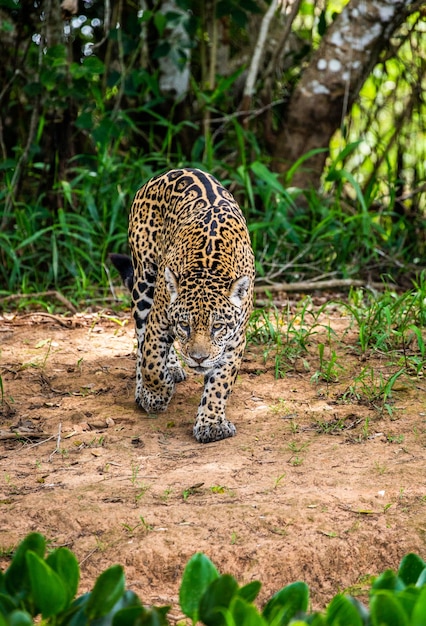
{"x":198,"y":349}
{"x":198,"y":356}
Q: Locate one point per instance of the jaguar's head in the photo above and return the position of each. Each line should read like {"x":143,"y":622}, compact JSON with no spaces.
{"x":205,"y":314}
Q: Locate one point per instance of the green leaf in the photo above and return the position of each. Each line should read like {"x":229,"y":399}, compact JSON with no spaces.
{"x":128,"y":616}
{"x":93,"y":66}
{"x":410,"y":568}
{"x":108,"y":589}
{"x":292,"y":170}
{"x":408,"y":599}
{"x":286,"y":603}
{"x":16,"y":576}
{"x":421,"y":581}
{"x":341,"y":612}
{"x":75,"y":615}
{"x":85,"y":120}
{"x":388,"y":580}
{"x":245,"y":614}
{"x":64,"y":563}
{"x":419,"y":611}
{"x":162,"y":50}
{"x":9,"y":4}
{"x":7,"y":603}
{"x":361,"y":609}
{"x":250,"y":591}
{"x":265,"y":175}
{"x":217,"y":597}
{"x":317,"y":619}
{"x":160,"y":22}
{"x":385,"y":610}
{"x":19,"y":618}
{"x":155,"y":616}
{"x":56,"y":56}
{"x":125,"y":611}
{"x":197,"y":576}
{"x":48,"y":591}
{"x":146,"y":16}
{"x":22,"y":244}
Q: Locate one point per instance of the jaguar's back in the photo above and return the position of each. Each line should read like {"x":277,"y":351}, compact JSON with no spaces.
{"x":190,"y":208}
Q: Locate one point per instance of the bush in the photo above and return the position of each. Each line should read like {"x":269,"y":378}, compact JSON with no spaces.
{"x":34,"y":584}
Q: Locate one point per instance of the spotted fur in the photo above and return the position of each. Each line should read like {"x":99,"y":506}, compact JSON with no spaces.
{"x":191,"y":279}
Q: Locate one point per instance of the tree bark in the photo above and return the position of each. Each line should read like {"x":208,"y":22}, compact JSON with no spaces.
{"x":331,"y":83}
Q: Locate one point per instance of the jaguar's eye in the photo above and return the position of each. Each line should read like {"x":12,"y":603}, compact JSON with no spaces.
{"x":217,"y":326}
{"x":184,"y":327}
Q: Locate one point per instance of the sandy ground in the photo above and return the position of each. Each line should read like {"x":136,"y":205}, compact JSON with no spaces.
{"x":312,"y":488}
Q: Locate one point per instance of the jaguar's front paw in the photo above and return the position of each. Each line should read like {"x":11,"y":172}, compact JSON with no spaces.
{"x":207,"y":431}
{"x":153,"y":402}
{"x":174,"y":367}
{"x":177,"y":373}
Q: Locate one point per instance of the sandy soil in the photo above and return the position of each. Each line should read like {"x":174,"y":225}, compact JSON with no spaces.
{"x":311,"y":487}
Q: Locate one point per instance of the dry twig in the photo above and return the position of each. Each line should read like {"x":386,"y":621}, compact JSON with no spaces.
{"x":333,"y":283}
{"x":42,"y":294}
{"x":58,"y":442}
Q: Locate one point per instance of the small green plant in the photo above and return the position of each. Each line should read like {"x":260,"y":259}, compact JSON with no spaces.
{"x":380,"y":468}
{"x":141,"y":487}
{"x":332,"y":426}
{"x":280,"y":407}
{"x":234,"y":538}
{"x":328,"y":368}
{"x":278,"y":479}
{"x":365,"y":429}
{"x":395,"y":438}
{"x":141,"y":524}
{"x":373,"y":388}
{"x":296,"y":447}
{"x":392,"y":323}
{"x":166,"y":494}
{"x":189,"y":491}
{"x":284,"y":335}
{"x":218,"y":489}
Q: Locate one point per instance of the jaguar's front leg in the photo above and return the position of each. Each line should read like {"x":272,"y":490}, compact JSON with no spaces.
{"x":175,"y":368}
{"x":154,"y":383}
{"x":211,"y":423}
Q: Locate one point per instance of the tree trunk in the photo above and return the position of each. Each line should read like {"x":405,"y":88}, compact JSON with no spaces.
{"x":330,"y":84}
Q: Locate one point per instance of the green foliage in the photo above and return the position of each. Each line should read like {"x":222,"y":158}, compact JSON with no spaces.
{"x":85,"y":122}
{"x":34,"y":585}
{"x":385,"y":326}
{"x":67,"y":248}
{"x":392,"y":322}
{"x":283,"y":335}
{"x":199,"y":573}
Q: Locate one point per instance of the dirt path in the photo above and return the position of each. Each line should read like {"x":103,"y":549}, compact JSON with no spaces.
{"x":311,"y":487}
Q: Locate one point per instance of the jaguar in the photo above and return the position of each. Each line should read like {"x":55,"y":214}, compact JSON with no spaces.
{"x":190,"y":275}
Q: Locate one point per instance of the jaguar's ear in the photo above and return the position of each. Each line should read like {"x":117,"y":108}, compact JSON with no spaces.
{"x":239,"y":290}
{"x":171,"y":284}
